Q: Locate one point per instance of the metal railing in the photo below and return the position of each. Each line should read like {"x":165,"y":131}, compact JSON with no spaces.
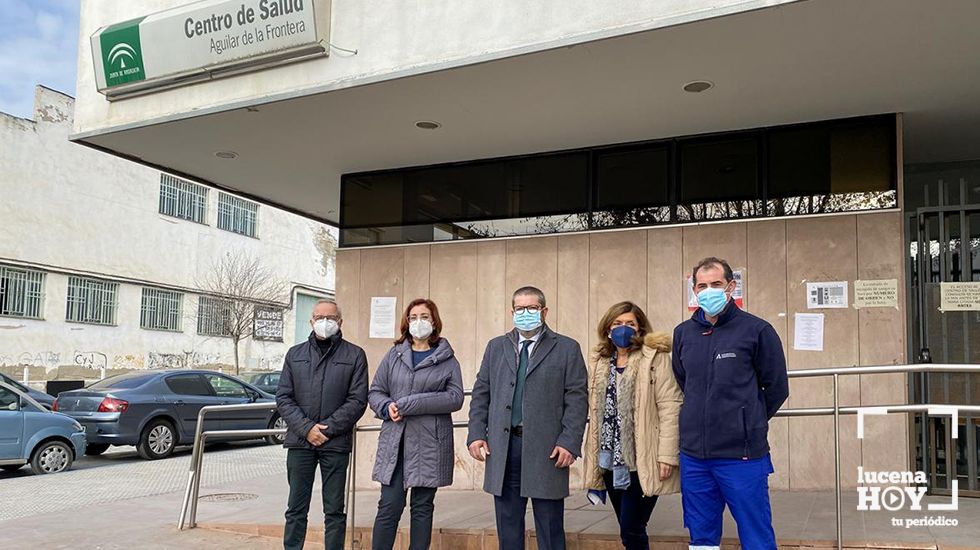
{"x":197,"y":457}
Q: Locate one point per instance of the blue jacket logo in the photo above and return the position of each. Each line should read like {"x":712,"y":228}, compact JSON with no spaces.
{"x":725,"y":356}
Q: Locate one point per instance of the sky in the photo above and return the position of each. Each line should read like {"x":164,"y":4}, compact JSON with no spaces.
{"x":38,"y":45}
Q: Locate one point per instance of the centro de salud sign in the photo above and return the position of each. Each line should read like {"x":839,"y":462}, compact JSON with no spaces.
{"x":207,"y":40}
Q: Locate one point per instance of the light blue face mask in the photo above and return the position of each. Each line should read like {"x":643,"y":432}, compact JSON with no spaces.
{"x":712,"y":300}
{"x":527,"y":321}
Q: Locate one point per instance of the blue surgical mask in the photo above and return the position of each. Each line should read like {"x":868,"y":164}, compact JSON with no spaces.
{"x":712,"y":300}
{"x":527,"y":321}
{"x":622,"y":336}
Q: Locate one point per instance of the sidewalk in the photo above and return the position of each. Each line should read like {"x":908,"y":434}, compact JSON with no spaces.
{"x":464,"y":519}
{"x":801,"y":519}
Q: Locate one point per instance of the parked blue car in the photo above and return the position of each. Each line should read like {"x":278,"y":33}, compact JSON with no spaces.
{"x":31,"y":434}
{"x":156,"y":411}
{"x":47,"y":401}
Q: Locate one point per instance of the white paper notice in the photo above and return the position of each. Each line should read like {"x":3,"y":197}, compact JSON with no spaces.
{"x":828,"y":295}
{"x":808,"y":332}
{"x":383,"y":317}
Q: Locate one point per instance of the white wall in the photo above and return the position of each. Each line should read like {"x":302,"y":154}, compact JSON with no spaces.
{"x":392,"y":38}
{"x":66,"y":209}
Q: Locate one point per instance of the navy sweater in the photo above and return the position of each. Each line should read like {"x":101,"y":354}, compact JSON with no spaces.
{"x":733,"y":376}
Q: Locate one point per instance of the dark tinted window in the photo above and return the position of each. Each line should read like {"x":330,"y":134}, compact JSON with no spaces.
{"x":831,"y":166}
{"x":188,"y":384}
{"x":500,"y":189}
{"x":844,"y":157}
{"x":123,"y":381}
{"x":719,"y":169}
{"x":632,"y":187}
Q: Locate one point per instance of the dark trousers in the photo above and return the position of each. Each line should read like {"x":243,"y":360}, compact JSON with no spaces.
{"x":633,"y":512}
{"x":301,"y":467}
{"x":390,"y":509}
{"x":510,"y":508}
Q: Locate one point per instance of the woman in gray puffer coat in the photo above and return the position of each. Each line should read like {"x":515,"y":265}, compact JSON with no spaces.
{"x":415,"y":391}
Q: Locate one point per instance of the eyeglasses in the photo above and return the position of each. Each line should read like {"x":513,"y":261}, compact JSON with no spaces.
{"x":528,"y":309}
{"x":333,"y":318}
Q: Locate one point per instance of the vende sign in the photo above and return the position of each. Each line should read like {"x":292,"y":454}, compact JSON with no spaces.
{"x":207,"y":40}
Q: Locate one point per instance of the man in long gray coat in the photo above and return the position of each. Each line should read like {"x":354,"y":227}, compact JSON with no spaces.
{"x":527,"y":418}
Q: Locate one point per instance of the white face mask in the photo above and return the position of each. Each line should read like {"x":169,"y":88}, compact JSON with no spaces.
{"x":325,"y":328}
{"x":420,"y":328}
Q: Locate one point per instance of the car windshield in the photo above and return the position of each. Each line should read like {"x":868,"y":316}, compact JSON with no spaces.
{"x":123,"y":381}
{"x":12,"y":382}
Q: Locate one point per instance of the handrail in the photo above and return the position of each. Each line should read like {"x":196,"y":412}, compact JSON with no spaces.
{"x":197,"y":457}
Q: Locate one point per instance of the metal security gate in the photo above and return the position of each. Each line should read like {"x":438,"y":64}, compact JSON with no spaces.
{"x":944,"y":237}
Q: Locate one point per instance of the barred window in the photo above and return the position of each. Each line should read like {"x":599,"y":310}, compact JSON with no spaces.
{"x":236,"y":215}
{"x":183,"y":199}
{"x":91,"y":301}
{"x":214,"y":316}
{"x":161,"y":309}
{"x":21,"y":292}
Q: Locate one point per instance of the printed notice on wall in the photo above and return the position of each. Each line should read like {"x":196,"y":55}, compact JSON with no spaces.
{"x":876,"y":293}
{"x":808,"y":332}
{"x":959,"y":296}
{"x":826,"y":295}
{"x":738,"y":295}
{"x":383,"y":317}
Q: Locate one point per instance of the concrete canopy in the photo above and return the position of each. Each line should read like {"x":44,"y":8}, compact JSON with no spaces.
{"x":797,"y":62}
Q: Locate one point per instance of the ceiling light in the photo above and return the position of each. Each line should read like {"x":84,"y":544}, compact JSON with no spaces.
{"x":698,"y":86}
{"x":427,"y":125}
{"x":226,"y":154}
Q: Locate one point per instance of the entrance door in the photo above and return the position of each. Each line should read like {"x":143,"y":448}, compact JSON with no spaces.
{"x":945,"y":247}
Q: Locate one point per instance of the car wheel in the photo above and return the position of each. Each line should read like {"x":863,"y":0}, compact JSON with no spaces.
{"x":95,"y":449}
{"x":51,"y":458}
{"x":11,"y":467}
{"x":277,"y":423}
{"x":157,"y":440}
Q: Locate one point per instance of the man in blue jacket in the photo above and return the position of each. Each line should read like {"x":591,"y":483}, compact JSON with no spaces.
{"x":731,"y":367}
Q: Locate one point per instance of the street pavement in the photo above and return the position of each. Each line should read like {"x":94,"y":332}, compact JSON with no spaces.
{"x":120,"y":475}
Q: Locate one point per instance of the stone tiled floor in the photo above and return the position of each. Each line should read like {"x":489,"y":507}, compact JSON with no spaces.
{"x":120,"y":502}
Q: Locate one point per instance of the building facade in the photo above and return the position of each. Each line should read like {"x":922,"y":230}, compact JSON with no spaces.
{"x":102,"y":261}
{"x":598,"y":150}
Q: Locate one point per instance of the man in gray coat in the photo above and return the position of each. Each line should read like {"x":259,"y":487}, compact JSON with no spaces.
{"x":527,"y":419}
{"x":322,"y":393}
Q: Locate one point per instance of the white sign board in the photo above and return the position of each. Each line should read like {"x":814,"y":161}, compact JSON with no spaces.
{"x":826,"y":295}
{"x":959,"y":296}
{"x":383,"y":317}
{"x":207,"y":40}
{"x":876,"y":293}
{"x":808,"y":332}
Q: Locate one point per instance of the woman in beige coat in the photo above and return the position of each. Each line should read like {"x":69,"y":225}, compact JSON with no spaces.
{"x":634,"y":404}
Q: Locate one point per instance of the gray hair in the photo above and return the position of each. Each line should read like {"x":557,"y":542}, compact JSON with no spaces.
{"x":529,"y":291}
{"x":329,"y":301}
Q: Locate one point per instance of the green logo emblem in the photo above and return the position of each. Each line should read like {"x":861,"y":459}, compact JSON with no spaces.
{"x":122,"y":53}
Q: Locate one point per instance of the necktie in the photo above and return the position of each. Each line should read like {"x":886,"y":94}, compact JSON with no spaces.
{"x":517,"y":408}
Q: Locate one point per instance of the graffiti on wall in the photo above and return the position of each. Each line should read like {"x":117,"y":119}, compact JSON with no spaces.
{"x":91,"y":359}
{"x":185,"y":360}
{"x":46,"y":359}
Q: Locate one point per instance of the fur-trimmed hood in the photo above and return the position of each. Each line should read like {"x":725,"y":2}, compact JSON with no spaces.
{"x":659,"y":341}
